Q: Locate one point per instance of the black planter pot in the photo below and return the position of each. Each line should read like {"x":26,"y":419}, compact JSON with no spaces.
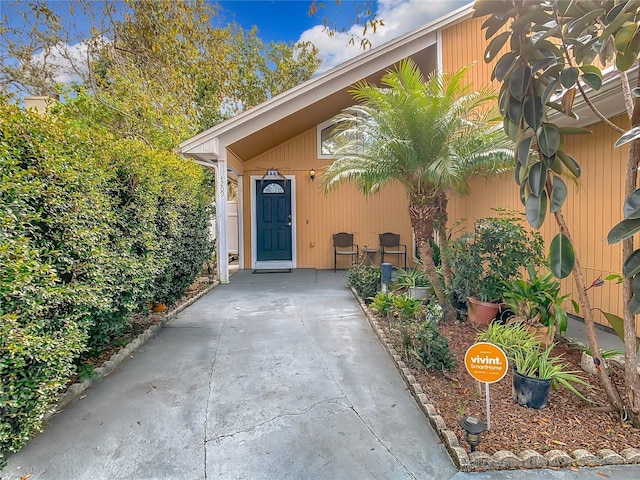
{"x":529,"y":391}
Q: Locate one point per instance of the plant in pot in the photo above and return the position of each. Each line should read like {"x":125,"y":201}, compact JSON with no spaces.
{"x":415,"y":281}
{"x":537,"y":303}
{"x":535,"y":372}
{"x":492,"y":254}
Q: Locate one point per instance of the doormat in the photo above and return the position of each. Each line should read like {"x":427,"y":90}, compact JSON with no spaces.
{"x":273,"y":270}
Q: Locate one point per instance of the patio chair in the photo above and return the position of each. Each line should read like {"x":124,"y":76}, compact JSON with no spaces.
{"x":343,"y":245}
{"x":390,"y":245}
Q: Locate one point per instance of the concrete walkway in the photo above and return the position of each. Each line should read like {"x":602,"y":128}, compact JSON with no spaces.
{"x":273,"y":376}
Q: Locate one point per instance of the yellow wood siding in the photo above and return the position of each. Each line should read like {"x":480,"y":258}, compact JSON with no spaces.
{"x":318,"y":216}
{"x":592,"y":208}
{"x":463,"y":44}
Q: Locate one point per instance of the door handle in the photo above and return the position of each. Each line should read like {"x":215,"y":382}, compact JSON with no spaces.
{"x":289,"y":223}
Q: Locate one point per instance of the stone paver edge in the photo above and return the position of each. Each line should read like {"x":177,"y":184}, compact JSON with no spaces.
{"x":75,"y":391}
{"x":504,"y":459}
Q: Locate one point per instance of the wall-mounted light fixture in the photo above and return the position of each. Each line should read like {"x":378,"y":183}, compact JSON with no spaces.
{"x":312,"y":174}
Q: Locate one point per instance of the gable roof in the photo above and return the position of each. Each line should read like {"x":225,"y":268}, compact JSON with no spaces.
{"x":302,"y":107}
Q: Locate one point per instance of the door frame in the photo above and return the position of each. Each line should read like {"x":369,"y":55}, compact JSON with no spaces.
{"x":255,"y":264}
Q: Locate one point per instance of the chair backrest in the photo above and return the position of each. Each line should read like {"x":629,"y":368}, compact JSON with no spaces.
{"x":389,"y":239}
{"x":342,"y":239}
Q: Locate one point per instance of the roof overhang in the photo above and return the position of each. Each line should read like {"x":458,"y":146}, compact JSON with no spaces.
{"x":302,"y":107}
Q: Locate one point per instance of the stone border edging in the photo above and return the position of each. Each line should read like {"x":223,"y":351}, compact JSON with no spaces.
{"x":503,"y":459}
{"x":75,"y":391}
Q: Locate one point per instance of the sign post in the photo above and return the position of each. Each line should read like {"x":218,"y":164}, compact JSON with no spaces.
{"x":486,"y":363}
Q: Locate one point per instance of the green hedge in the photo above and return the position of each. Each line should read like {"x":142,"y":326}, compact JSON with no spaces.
{"x":91,"y":229}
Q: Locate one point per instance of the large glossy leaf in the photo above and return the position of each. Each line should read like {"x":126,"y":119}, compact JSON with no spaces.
{"x":569,"y":77}
{"x":635,"y":285}
{"x":634,"y":306}
{"x":533,"y":111}
{"x":537,"y":175}
{"x":558,"y":194}
{"x":567,"y":101}
{"x":631,"y":265}
{"x":631,"y":207}
{"x":543,"y":63}
{"x":592,"y":76}
{"x":577,"y":27}
{"x":548,"y":139}
{"x":623,"y":230}
{"x":523,"y":151}
{"x":550,"y":90}
{"x":493,"y":25}
{"x":495,"y":46}
{"x":569,"y":162}
{"x":613,"y":27}
{"x":628,"y":136}
{"x":519,"y":81}
{"x":514,"y":110}
{"x":486,"y":7}
{"x":636,"y":92}
{"x":616,"y":323}
{"x":536,"y":208}
{"x":624,"y":36}
{"x":561,"y":256}
{"x":625,"y":60}
{"x":556,"y":166}
{"x":504,"y":65}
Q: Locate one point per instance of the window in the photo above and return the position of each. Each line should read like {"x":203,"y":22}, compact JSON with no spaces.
{"x":326,"y":144}
{"x":273,"y":188}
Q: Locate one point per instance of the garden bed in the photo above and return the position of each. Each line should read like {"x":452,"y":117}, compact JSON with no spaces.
{"x":568,"y":432}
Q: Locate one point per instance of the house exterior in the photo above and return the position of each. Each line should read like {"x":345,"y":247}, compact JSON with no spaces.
{"x":274,"y":149}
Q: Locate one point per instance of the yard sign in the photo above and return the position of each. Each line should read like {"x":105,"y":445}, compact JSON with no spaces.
{"x":486,"y":363}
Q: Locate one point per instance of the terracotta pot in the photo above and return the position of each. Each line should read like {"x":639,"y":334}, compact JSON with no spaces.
{"x":481,"y":313}
{"x":159,"y":307}
{"x":542,"y":334}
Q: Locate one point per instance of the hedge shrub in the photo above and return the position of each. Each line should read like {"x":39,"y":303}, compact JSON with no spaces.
{"x":91,"y":229}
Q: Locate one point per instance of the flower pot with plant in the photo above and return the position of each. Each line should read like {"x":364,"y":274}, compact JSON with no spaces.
{"x":537,"y":303}
{"x":415,"y":281}
{"x":535,"y":372}
{"x":492,"y":254}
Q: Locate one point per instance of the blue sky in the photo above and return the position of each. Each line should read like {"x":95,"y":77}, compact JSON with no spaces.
{"x":288,"y":20}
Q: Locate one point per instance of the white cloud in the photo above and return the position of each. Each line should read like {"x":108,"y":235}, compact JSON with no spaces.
{"x":67,"y":62}
{"x":399,"y":17}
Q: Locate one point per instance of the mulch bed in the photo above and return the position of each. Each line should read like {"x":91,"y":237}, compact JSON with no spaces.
{"x":567,"y":423}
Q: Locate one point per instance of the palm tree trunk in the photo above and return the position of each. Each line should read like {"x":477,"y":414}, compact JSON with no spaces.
{"x":422,"y":220}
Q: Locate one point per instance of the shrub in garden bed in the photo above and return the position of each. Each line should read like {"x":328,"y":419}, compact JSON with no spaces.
{"x":365,"y":280}
{"x":91,"y":229}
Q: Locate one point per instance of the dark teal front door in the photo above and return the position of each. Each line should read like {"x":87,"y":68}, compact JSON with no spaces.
{"x":273,"y":220}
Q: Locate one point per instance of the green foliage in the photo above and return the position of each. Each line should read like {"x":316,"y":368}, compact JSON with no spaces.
{"x":492,"y":254}
{"x":533,"y":362}
{"x":365,"y":280}
{"x":410,"y":278}
{"x":428,"y":134}
{"x":382,"y":304}
{"x":510,"y":337}
{"x":91,"y":229}
{"x":432,"y":348}
{"x":405,"y":307}
{"x":537,"y":301}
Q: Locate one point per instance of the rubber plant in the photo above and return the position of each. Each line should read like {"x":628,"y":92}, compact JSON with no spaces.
{"x":545,"y":52}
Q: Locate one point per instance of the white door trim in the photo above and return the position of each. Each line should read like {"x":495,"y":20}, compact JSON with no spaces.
{"x":275,"y":264}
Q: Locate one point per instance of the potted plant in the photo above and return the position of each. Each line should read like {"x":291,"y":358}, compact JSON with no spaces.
{"x":535,"y":372}
{"x":492,"y":254}
{"x":537,"y":302}
{"x":415,"y":281}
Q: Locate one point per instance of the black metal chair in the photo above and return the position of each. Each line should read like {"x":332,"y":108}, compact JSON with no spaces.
{"x":343,"y":245}
{"x":390,"y":245}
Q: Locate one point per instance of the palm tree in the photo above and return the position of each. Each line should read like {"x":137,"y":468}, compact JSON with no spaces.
{"x":431,"y":135}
